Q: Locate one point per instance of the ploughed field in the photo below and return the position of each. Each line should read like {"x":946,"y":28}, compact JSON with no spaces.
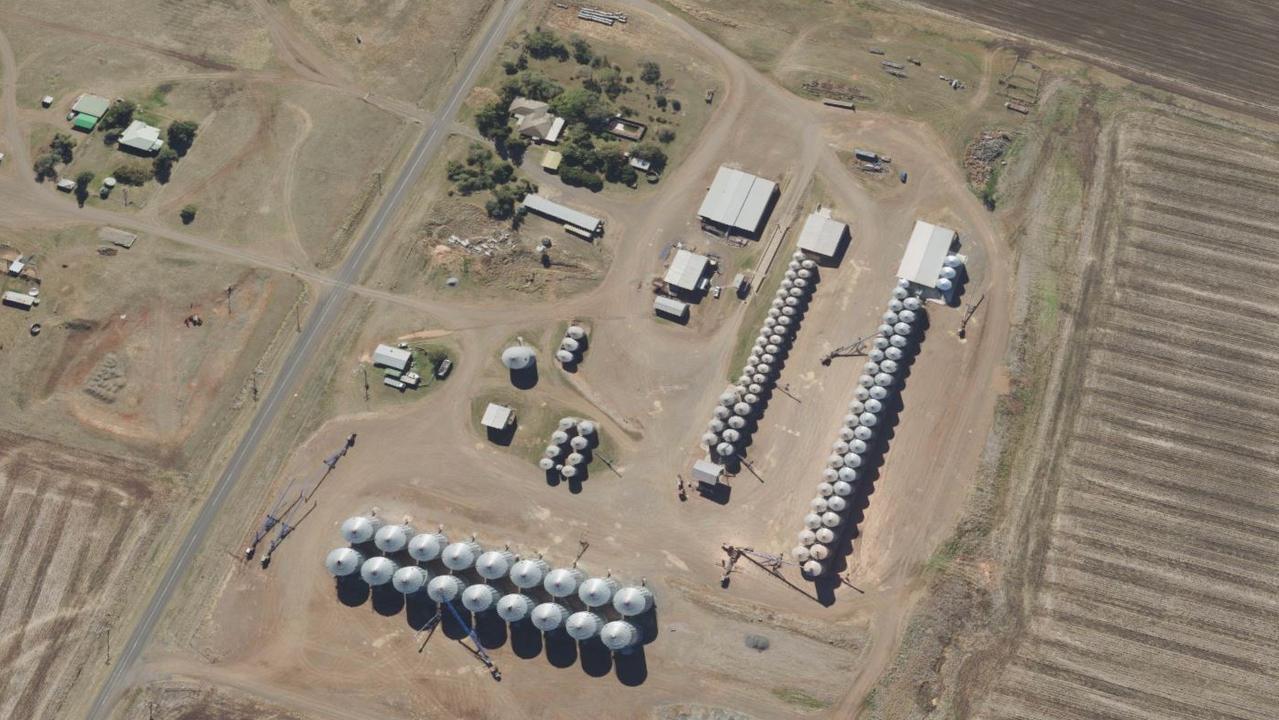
{"x":1225,"y":46}
{"x":76,"y":530}
{"x":1159,"y":596}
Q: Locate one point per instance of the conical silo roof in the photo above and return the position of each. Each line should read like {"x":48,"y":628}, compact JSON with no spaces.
{"x":514,"y":607}
{"x":583,"y":625}
{"x":518,"y":357}
{"x":444,"y":588}
{"x":633,"y":600}
{"x":548,"y":616}
{"x":393,"y":538}
{"x":360,"y":529}
{"x":425,"y":547}
{"x":461,"y":555}
{"x":479,"y":598}
{"x":563,"y":582}
{"x":619,"y":635}
{"x":378,"y":571}
{"x":597,"y":592}
{"x":813,"y":568}
{"x":343,"y":561}
{"x":494,"y":564}
{"x":409,"y":580}
{"x":529,"y":572}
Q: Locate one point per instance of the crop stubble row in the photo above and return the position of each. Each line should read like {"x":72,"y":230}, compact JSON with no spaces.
{"x":1158,"y":597}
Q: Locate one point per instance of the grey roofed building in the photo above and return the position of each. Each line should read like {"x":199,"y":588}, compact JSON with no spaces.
{"x":821,"y":235}
{"x":141,"y":137}
{"x":705,"y":471}
{"x":670,"y":306}
{"x":497,"y":417}
{"x":522,"y":106}
{"x":392,"y":357}
{"x":94,"y":105}
{"x":535,"y":120}
{"x":686,"y":270}
{"x":555,"y":211}
{"x":737,"y":200}
{"x":925,"y":254}
{"x":18,"y":300}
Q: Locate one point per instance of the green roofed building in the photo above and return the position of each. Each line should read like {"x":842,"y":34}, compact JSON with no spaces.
{"x":84,"y":122}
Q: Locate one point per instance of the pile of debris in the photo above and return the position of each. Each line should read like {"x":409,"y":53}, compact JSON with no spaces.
{"x":603,"y":17}
{"x":485,"y":245}
{"x":983,"y":153}
{"x":831,"y":89}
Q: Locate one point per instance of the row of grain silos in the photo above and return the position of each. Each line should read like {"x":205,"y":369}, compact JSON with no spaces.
{"x":744,"y":401}
{"x":516,"y":589}
{"x":569,"y":449}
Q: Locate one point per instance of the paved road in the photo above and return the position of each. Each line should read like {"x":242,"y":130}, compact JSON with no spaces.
{"x":296,"y":359}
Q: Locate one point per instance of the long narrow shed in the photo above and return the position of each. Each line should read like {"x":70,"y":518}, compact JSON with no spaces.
{"x":558,"y":212}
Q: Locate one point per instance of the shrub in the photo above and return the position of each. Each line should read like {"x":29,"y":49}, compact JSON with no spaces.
{"x":661,"y":101}
{"x":188,"y":214}
{"x":543,"y":44}
{"x":581,"y":50}
{"x":582,"y":106}
{"x":162,"y":166}
{"x":578,"y":177}
{"x":119,"y":115}
{"x":45,"y":166}
{"x":666,"y":135}
{"x":650,"y":72}
{"x":82,"y":186}
{"x":61,"y":145}
{"x":492,"y":120}
{"x":181,"y":135}
{"x":530,"y":84}
{"x":132,"y":174}
{"x":676,"y":106}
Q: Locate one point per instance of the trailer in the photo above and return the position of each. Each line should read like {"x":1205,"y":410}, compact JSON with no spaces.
{"x":866,"y":156}
{"x":845,"y":104}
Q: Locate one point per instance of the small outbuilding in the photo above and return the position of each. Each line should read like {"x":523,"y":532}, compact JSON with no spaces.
{"x":706,"y":472}
{"x":823,"y":236}
{"x":671,"y":307}
{"x":560,"y":213}
{"x":925,"y":254}
{"x":737,"y":201}
{"x":686,"y":270}
{"x":551,"y":161}
{"x":392,"y":357}
{"x":18,"y":300}
{"x":141,"y":137}
{"x":497,"y":417}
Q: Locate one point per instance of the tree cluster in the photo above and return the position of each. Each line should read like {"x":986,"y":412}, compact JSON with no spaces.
{"x":481,"y":170}
{"x":60,"y":151}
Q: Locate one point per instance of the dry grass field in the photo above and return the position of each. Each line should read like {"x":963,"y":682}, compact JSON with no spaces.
{"x":1157,"y":597}
{"x":1224,"y":50}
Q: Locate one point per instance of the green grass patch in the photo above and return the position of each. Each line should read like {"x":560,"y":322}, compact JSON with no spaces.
{"x":799,"y":698}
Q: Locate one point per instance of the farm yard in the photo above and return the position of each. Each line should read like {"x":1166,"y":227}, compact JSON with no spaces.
{"x":1156,"y":598}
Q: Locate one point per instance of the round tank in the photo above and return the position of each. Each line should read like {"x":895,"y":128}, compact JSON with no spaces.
{"x":787,"y":284}
{"x":812,"y":521}
{"x":770,"y":322}
{"x":774,"y":313}
{"x":831,"y":520}
{"x":825,"y":536}
{"x":559,"y":437}
{"x":899,"y":341}
{"x":427,"y":546}
{"x":737,"y":422}
{"x":843,"y":489}
{"x":409,"y":580}
{"x":789,"y":311}
{"x":548,"y":616}
{"x":546,"y":464}
{"x":796,"y":292}
{"x":494,"y":564}
{"x":777,"y":303}
{"x":575,"y":459}
{"x":566,"y":424}
{"x":529,"y":572}
{"x":577,"y":332}
{"x":848,"y":475}
{"x":813,"y":568}
{"x":583,"y":625}
{"x":883,"y":380}
{"x":444,"y":588}
{"x":461,"y":555}
{"x":725,"y":449}
{"x":565,"y":356}
{"x":479,"y":598}
{"x":947,"y":273}
{"x":750,"y":398}
{"x":819,"y":552}
{"x":568,"y":471}
{"x":869,"y":419}
{"x":570,"y":344}
{"x":597,"y":592}
{"x":944,"y":285}
{"x":759,"y":379}
{"x":518,"y":357}
{"x":777,"y":340}
{"x":378,"y":570}
{"x":343,"y":561}
{"x":563,"y":582}
{"x":836,"y":504}
{"x":360,"y":529}
{"x":825,"y":489}
{"x":393,"y":538}
{"x":912,"y":303}
{"x":798,"y":255}
{"x":846,"y":433}
{"x":800,"y":553}
{"x":807,"y":537}
{"x":514,"y":607}
{"x":818,"y":505}
{"x":850,"y":420}
{"x":619,"y":635}
{"x":863,"y":433}
{"x":852,"y":460}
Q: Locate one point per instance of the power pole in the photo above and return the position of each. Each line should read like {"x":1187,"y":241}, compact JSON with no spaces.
{"x":229,"y":288}
{"x":365,"y":370}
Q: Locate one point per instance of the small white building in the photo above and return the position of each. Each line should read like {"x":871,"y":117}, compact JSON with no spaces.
{"x":686,"y":270}
{"x":822,"y":236}
{"x":392,"y":357}
{"x":707,"y":472}
{"x":18,"y":300}
{"x":663,"y":305}
{"x":141,"y":137}
{"x":497,"y":417}
{"x":925,"y":254}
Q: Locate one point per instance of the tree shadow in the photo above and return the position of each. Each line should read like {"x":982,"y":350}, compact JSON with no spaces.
{"x":631,"y":667}
{"x":351,"y":590}
{"x":561,"y":650}
{"x":597,"y":660}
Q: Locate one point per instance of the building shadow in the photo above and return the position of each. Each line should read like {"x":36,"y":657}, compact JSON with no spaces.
{"x":453,"y":629}
{"x":553,"y":478}
{"x":646,"y":623}
{"x":491,"y":630}
{"x":387,"y":600}
{"x":561,"y":650}
{"x":631,"y":667}
{"x":503,"y":437}
{"x":597,"y":660}
{"x":419,"y":610}
{"x":526,"y":378}
{"x":351,"y":590}
{"x":719,"y":493}
{"x":526,"y":640}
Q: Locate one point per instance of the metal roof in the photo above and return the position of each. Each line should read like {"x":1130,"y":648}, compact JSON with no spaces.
{"x":670,"y":306}
{"x":707,"y":471}
{"x":686,"y":269}
{"x":821,"y":234}
{"x":925,"y":253}
{"x":496,"y":416}
{"x":555,"y":211}
{"x":94,"y":105}
{"x":551,"y":160}
{"x":737,"y":199}
{"x":392,"y":357}
{"x":141,"y":136}
{"x":84,"y":121}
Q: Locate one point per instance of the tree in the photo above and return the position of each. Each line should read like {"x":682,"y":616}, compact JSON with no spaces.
{"x":515,"y":146}
{"x":45,"y":166}
{"x":578,"y":177}
{"x":119,"y":115}
{"x":609,"y":81}
{"x":581,"y":50}
{"x":188,"y":214}
{"x":82,"y":186}
{"x":492,"y":120}
{"x":543,"y":44}
{"x":530,"y":84}
{"x":181,"y":135}
{"x":666,"y":135}
{"x":163,"y":164}
{"x":650,"y":72}
{"x":582,"y":106}
{"x":654,"y":155}
{"x":676,"y":106}
{"x":661,"y":101}
{"x":61,"y":145}
{"x":132,"y":174}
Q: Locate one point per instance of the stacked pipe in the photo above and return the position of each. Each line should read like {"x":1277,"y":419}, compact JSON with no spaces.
{"x":572,"y":346}
{"x":569,"y":451}
{"x":858,"y":438}
{"x":744,"y":401}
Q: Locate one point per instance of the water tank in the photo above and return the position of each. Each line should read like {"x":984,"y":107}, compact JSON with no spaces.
{"x":583,"y":625}
{"x":597,"y":591}
{"x":393,"y":538}
{"x":547,"y":464}
{"x":863,"y":433}
{"x":568,"y":471}
{"x":461,"y":555}
{"x":836,"y":504}
{"x":812,"y":521}
{"x":800,"y":553}
{"x":843,"y":489}
{"x":360,"y":529}
{"x":577,"y":332}
{"x":563,"y":582}
{"x":494,"y":564}
{"x":529,"y":572}
{"x":819,"y":552}
{"x":378,"y":570}
{"x":548,"y":616}
{"x":343,"y":561}
{"x":409,"y":580}
{"x":427,"y":546}
{"x":825,"y":489}
{"x":518,"y":357}
{"x":831,"y":520}
{"x":479,"y":598}
{"x":444,"y":588}
{"x":912,"y":303}
{"x":944,"y":285}
{"x":725,"y":450}
{"x":619,"y":635}
{"x":514,"y":607}
{"x":825,"y":536}
{"x":813,"y":568}
{"x":807,"y":537}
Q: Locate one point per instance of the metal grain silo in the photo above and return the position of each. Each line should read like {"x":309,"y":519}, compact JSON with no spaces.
{"x":461,"y":555}
{"x":425,"y":547}
{"x":819,"y":552}
{"x":479,"y":598}
{"x":548,"y":616}
{"x":577,"y":332}
{"x":831,"y":520}
{"x":848,"y":475}
{"x":343,"y":561}
{"x":563,"y":582}
{"x":912,"y":303}
{"x":945,"y":284}
{"x":825,"y":489}
{"x":393,"y":538}
{"x":807,"y":537}
{"x":863,"y":433}
{"x":409,"y":580}
{"x":529,"y":572}
{"x":814,"y":568}
{"x":360,"y":529}
{"x":568,"y":472}
{"x":812,"y":521}
{"x":444,"y":588}
{"x":598,"y":591}
{"x":514,"y":607}
{"x":852,"y":460}
{"x":825,"y":536}
{"x":884,"y":380}
{"x":836,"y":503}
{"x":843,"y":489}
{"x":583,"y":625}
{"x":899,"y":341}
{"x":869,"y":419}
{"x":378,"y":570}
{"x":800,"y":553}
{"x":494,"y":564}
{"x":619,"y":635}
